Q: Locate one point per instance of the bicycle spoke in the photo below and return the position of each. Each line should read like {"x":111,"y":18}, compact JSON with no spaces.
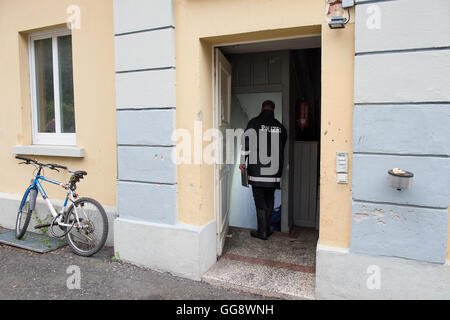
{"x":89,"y":232}
{"x":84,"y":213}
{"x":82,"y":241}
{"x":91,"y":238}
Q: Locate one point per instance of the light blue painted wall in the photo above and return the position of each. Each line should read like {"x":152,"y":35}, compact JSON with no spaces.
{"x":150,"y":202}
{"x":411,"y":76}
{"x":425,"y":132}
{"x":399,"y":231}
{"x":145,"y":89}
{"x":401,"y":119}
{"x":430,"y":184}
{"x":144,"y":56}
{"x":145,"y":97}
{"x":138,"y":163}
{"x":145,"y":127}
{"x":138,"y":15}
{"x":420,"y":25}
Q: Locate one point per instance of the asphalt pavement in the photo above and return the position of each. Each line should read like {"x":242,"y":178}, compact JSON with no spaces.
{"x":54,"y":275}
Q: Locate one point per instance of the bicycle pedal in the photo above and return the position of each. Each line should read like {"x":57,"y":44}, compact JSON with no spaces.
{"x":39,"y":226}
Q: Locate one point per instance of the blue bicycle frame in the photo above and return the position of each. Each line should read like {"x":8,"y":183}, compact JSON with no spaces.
{"x":36,"y":187}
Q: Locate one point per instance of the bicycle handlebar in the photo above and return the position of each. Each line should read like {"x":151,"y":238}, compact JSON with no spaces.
{"x":26,"y":159}
{"x":52,"y":166}
{"x":57,"y":166}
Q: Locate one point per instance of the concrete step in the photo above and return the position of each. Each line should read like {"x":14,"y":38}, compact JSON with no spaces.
{"x":265,"y":280}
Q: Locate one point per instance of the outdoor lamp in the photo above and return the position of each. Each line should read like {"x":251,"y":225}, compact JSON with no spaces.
{"x":400,"y":179}
{"x":337,"y":22}
{"x":336,"y":9}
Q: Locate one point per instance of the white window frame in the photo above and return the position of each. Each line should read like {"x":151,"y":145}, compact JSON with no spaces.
{"x":57,"y":137}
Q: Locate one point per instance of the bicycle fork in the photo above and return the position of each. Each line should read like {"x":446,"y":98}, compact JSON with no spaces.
{"x":33,"y":196}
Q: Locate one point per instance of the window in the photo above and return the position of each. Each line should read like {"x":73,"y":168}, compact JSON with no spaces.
{"x":51,"y":82}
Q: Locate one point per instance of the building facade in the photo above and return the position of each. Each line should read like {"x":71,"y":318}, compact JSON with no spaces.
{"x":144,"y":69}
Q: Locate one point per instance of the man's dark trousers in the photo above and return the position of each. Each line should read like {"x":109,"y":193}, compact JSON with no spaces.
{"x":264,"y":198}
{"x":264,"y":202}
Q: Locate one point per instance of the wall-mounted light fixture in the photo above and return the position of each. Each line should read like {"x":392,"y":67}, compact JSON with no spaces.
{"x":400,"y":179}
{"x":337,"y":20}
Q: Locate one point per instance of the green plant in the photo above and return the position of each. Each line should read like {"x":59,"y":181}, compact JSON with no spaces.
{"x":116,"y":257}
{"x":46,"y":220}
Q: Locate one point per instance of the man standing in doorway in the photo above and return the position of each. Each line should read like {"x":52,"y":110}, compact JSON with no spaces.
{"x":263,"y":145}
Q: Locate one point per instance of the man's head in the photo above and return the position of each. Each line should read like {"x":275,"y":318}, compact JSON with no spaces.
{"x":268,"y":105}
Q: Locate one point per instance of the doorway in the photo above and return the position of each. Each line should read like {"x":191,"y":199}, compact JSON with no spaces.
{"x":288,"y":72}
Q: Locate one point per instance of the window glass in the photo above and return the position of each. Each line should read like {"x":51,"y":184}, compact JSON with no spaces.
{"x":44,"y":85}
{"x":66,"y":84}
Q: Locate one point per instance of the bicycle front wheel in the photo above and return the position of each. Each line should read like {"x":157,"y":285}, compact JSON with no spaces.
{"x":24,"y":215}
{"x":90,"y":227}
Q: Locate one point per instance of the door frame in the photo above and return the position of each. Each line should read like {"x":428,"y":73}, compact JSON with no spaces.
{"x":284,"y":198}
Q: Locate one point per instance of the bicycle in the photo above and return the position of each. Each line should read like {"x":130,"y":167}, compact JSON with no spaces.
{"x":78,"y":220}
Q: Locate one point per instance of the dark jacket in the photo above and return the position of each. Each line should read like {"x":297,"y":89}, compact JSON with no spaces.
{"x":264,"y":169}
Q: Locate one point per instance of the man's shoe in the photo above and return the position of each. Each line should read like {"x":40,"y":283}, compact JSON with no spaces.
{"x":261,"y":232}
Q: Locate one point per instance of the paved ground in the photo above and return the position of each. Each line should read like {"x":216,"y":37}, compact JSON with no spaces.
{"x":296,"y":248}
{"x":27,"y":275}
{"x":281,"y":267}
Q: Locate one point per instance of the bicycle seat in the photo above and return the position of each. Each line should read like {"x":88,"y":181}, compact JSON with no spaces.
{"x":78,"y":173}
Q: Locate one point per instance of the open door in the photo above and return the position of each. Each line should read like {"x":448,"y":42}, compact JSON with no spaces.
{"x":222,"y":103}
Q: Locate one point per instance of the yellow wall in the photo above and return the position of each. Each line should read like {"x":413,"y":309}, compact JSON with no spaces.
{"x":94,"y":93}
{"x":337,"y":135}
{"x":199,"y":26}
{"x":202,"y":24}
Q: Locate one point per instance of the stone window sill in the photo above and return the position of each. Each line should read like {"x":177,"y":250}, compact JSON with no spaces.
{"x":49,"y":150}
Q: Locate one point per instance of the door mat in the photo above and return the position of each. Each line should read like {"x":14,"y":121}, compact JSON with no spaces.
{"x":32,"y":241}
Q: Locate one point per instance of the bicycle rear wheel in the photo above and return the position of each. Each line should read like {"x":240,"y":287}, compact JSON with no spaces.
{"x":89,"y":232}
{"x":23,"y":215}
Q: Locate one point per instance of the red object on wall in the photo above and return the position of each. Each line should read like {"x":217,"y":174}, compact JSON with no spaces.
{"x":302,"y":121}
